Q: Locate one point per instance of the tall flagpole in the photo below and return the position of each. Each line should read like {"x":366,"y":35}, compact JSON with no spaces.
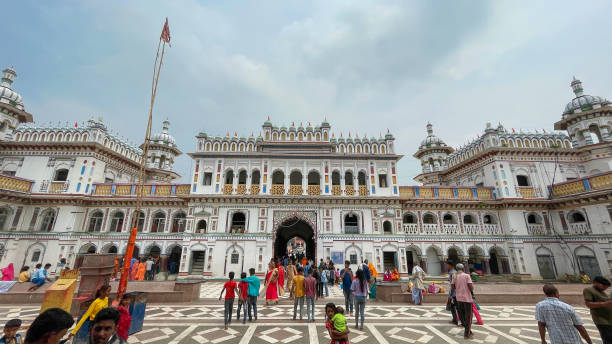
{"x":140,"y":190}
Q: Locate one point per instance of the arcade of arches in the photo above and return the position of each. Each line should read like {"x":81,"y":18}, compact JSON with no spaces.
{"x":290,"y":229}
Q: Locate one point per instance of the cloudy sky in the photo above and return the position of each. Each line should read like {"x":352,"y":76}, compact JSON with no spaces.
{"x":365,"y":65}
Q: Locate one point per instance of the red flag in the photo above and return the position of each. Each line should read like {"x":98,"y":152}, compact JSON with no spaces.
{"x":76,"y":125}
{"x":165,"y":34}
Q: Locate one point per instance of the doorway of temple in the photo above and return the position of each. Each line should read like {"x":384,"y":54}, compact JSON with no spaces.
{"x":294,"y":236}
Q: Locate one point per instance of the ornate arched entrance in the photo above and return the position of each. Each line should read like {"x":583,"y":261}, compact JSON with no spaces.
{"x":291,"y":228}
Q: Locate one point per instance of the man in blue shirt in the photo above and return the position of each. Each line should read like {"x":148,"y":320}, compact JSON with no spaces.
{"x":253,"y":292}
{"x":347,"y":279}
{"x":306,"y":268}
{"x":40,"y":277}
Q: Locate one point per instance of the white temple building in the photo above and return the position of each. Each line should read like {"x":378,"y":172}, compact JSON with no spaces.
{"x":520,"y":205}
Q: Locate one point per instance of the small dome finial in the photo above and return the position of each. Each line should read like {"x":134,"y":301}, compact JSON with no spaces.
{"x":576,"y":85}
{"x":429,"y":129}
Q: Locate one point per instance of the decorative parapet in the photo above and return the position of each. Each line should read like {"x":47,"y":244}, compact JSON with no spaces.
{"x":336,"y":190}
{"x":277,"y":189}
{"x":228,"y":189}
{"x":15,"y":183}
{"x":445,"y":192}
{"x":295,"y":190}
{"x":591,"y":183}
{"x":241,"y":189}
{"x":132,"y":190}
{"x":59,"y":187}
{"x":363,"y":190}
{"x":349,"y":190}
{"x":314,"y":190}
{"x":528,"y":192}
{"x":254,"y":190}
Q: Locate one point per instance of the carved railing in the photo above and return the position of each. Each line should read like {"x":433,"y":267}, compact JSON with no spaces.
{"x":491,"y":228}
{"x":411,"y":228}
{"x":15,"y":184}
{"x":431,"y":228}
{"x":471,"y":193}
{"x":579,"y":228}
{"x":228,"y":189}
{"x":351,"y":229}
{"x":336,"y":190}
{"x":471,"y":228}
{"x":536,"y":229}
{"x":314,"y":190}
{"x":529,"y":192}
{"x":596,"y":182}
{"x":254,"y":190}
{"x":277,"y":189}
{"x":241,"y":189}
{"x":349,"y":190}
{"x":451,"y":228}
{"x":59,"y":187}
{"x":363,"y":190}
{"x":295,"y":190}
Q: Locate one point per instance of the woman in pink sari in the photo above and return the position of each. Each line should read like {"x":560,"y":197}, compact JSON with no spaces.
{"x":272,"y":283}
{"x":8,"y":273}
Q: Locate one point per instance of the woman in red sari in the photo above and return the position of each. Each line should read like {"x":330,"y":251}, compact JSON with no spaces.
{"x":272,"y":283}
{"x":281,"y":278}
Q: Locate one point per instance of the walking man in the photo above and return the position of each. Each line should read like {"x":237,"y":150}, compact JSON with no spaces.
{"x":464,"y":289}
{"x":559,"y":318}
{"x":298,"y":292}
{"x":347,"y":279}
{"x":253,"y":292}
{"x":600,"y":306}
{"x":452,"y":300}
{"x":149,"y":273}
{"x":310,"y":284}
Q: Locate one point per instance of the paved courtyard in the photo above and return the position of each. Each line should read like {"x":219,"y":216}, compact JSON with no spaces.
{"x":384,"y":324}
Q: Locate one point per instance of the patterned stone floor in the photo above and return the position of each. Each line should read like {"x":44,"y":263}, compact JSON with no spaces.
{"x":387,"y":324}
{"x":211,"y":290}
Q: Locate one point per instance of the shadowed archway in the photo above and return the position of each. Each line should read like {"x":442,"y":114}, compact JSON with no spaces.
{"x":292,"y":228}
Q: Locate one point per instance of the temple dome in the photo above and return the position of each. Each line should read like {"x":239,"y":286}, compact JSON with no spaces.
{"x":583,"y":102}
{"x":163,"y":137}
{"x":7,"y":95}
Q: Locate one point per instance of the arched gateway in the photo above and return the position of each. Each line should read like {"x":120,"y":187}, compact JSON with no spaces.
{"x":290,"y":228}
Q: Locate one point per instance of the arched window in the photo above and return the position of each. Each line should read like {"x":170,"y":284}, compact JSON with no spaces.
{"x":278,"y":177}
{"x":283,"y":136}
{"x":141,"y":221}
{"x":361,"y":178}
{"x":351,"y":224}
{"x":325,"y":136}
{"x":61,"y":175}
{"x":335,"y":178}
{"x":469,"y":219}
{"x":429,"y":218}
{"x":314,"y":178}
{"x":229,"y":177}
{"x":255,"y":177}
{"x":534,"y":219}
{"x":201,"y":226}
{"x":489,"y":219}
{"x":238,"y":222}
{"x":576,"y":217}
{"x":387,"y":227}
{"x":295,"y":178}
{"x":242,"y":177}
{"x":95,"y":222}
{"x":409,"y":218}
{"x":348,"y":178}
{"x":179,"y":222}
{"x":48,"y":218}
{"x":4,"y":213}
{"x":207,"y":147}
{"x":159,"y":222}
{"x":522,"y":180}
{"x":117,"y":222}
{"x":449,"y":219}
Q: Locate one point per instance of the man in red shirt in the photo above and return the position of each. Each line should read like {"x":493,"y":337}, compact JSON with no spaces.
{"x":242,"y":302}
{"x":229,"y":288}
{"x":310,"y":287}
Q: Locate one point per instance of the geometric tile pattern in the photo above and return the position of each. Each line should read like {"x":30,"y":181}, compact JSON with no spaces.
{"x":211,"y":290}
{"x":386,"y":324}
